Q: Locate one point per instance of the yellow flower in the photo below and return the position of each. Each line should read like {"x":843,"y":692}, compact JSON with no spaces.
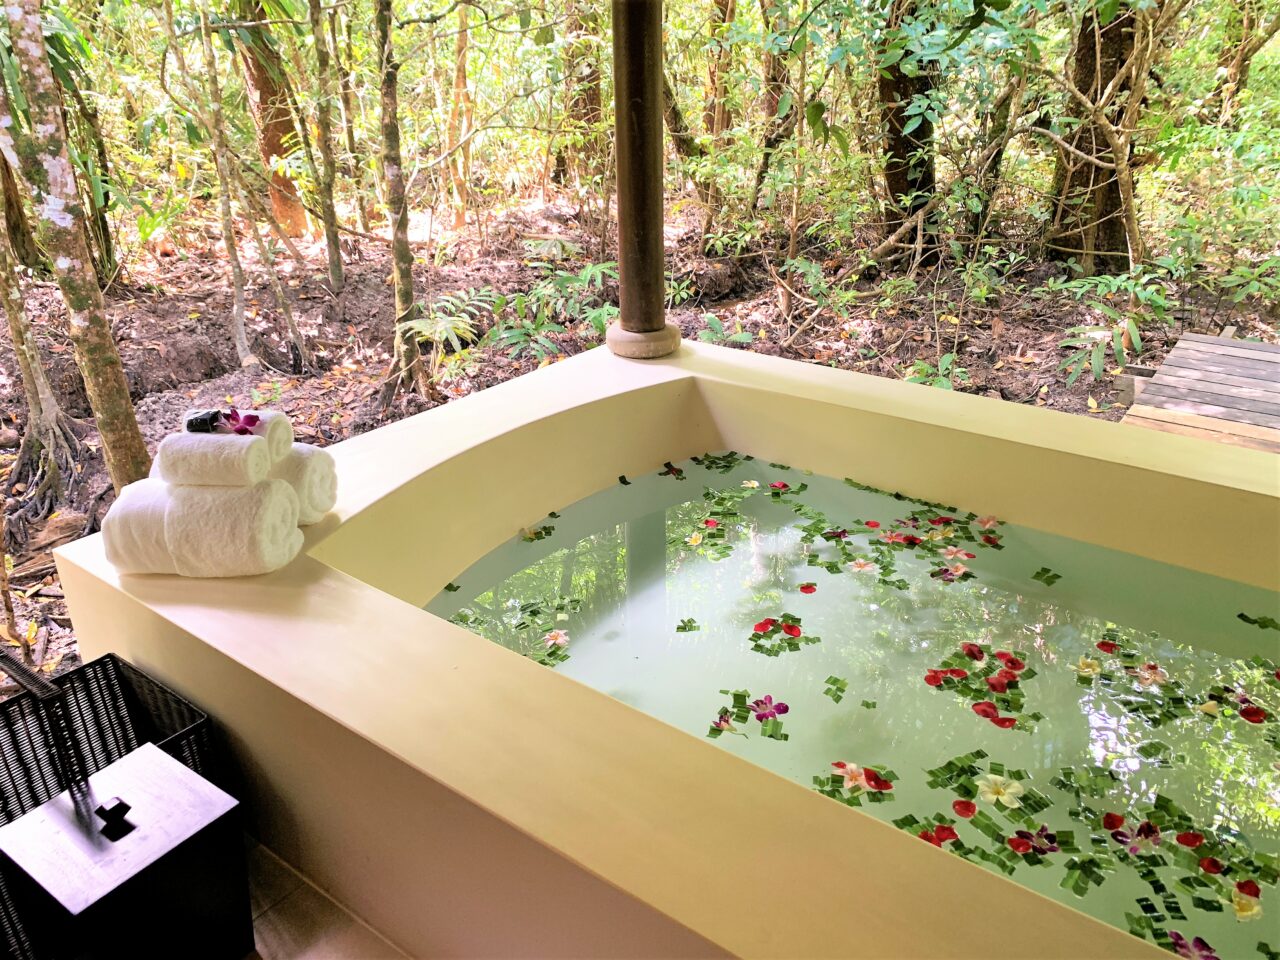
{"x":750,"y":484}
{"x":693,"y":539}
{"x":1210,"y":707}
{"x":1246,"y":907}
{"x":1088,"y":668}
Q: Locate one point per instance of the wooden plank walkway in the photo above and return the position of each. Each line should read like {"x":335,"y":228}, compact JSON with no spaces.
{"x":1215,"y":388}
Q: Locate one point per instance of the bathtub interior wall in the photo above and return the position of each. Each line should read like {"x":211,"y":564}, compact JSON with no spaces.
{"x":410,"y":541}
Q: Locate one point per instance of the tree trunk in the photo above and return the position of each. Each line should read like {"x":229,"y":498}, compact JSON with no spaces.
{"x":354,"y":165}
{"x":222,"y":165}
{"x":265,"y":82}
{"x":582,"y":81}
{"x":1247,"y":32}
{"x":776,"y":75}
{"x":17,"y":226}
{"x":458,"y":130}
{"x":408,"y":360}
{"x":1089,"y":209}
{"x":324,"y":134}
{"x":97,"y":192}
{"x":716,"y":113}
{"x":46,"y":167}
{"x":46,"y":456}
{"x":909,"y":150}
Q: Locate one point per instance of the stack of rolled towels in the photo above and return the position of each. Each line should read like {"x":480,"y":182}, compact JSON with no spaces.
{"x":225,"y":499}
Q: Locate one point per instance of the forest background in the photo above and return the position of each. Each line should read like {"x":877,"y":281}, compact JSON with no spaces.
{"x":354,"y":210}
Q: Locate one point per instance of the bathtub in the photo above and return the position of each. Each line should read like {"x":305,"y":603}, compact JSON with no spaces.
{"x":464,"y":801}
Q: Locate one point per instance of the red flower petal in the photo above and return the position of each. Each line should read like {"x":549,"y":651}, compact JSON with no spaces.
{"x":1190,"y":839}
{"x":912,"y":541}
{"x":933,"y":678}
{"x":971,"y":556}
{"x":957,"y":673}
{"x":1112,"y":821}
{"x":779,"y":485}
{"x":973,"y":651}
{"x":1004,"y":723}
{"x":711,"y":524}
{"x":1015,"y":665}
{"x":1253,"y":713}
{"x":997,"y":685}
{"x":985,"y":708}
{"x":764,"y":626}
{"x":873,"y":524}
{"x":1211,"y":865}
{"x":808,"y":588}
{"x":1249,"y":888}
{"x":964,"y":808}
{"x":875,"y":781}
{"x":945,"y":832}
{"x":1108,"y":646}
{"x":791,"y":629}
{"x":990,"y":539}
{"x":1004,"y":656}
{"x":929,"y":837}
{"x":1019,"y":845}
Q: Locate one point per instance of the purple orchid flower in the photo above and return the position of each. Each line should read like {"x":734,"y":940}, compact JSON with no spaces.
{"x":766,"y":709}
{"x":1146,"y":836}
{"x":1042,"y":841}
{"x":240,"y":423}
{"x":1196,"y":949}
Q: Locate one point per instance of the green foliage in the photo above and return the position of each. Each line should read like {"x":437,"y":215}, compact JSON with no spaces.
{"x":715,"y":331}
{"x":945,"y":375}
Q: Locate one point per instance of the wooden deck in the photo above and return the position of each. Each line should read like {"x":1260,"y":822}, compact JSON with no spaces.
{"x":1215,"y":388}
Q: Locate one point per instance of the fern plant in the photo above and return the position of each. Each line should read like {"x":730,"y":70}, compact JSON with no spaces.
{"x":449,"y":324}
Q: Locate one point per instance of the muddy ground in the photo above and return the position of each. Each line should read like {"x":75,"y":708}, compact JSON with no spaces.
{"x":169,"y":312}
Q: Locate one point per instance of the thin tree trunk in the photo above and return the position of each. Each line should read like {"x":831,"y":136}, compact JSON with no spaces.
{"x":458,"y":130}
{"x":265,"y":83}
{"x":302,"y":359}
{"x":347,"y":84}
{"x":222,"y":164}
{"x":17,"y":226}
{"x":716,"y":114}
{"x":324,"y":135}
{"x":1247,"y":33}
{"x":46,"y":167}
{"x":410,"y":370}
{"x":97,"y":191}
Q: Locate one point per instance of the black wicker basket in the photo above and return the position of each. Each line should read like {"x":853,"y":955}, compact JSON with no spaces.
{"x":86,"y":719}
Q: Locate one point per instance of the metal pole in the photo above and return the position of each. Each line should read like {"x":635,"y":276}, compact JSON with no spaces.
{"x":637,"y":64}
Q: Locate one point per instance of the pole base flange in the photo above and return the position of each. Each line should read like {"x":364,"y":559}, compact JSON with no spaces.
{"x":642,"y":346}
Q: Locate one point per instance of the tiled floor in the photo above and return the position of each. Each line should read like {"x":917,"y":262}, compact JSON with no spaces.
{"x":292,"y":920}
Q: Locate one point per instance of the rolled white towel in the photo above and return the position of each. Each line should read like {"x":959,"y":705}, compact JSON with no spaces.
{"x":314,"y":478}
{"x":272,"y":424}
{"x":202,"y":531}
{"x":213,"y":459}
{"x":133,"y":529}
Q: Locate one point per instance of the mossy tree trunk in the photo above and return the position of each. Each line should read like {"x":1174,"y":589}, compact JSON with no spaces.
{"x":40,"y":154}
{"x":409,"y":369}
{"x":324,"y":137}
